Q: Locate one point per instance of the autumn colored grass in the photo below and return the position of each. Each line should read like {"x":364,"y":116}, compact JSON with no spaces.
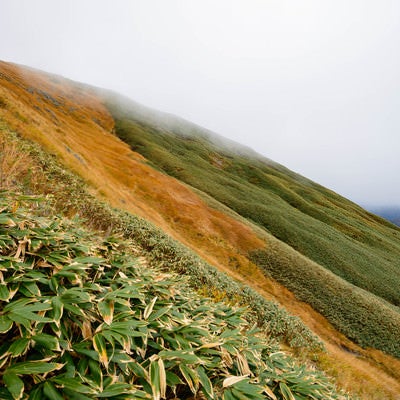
{"x":80,"y":135}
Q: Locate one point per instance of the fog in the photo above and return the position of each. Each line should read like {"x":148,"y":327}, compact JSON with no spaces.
{"x":311,"y":84}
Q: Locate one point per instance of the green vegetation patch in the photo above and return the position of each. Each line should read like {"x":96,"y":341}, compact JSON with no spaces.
{"x":363,"y":317}
{"x":81,"y":318}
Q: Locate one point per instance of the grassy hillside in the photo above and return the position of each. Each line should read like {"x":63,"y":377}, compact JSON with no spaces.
{"x":75,"y":133}
{"x":361,"y":250}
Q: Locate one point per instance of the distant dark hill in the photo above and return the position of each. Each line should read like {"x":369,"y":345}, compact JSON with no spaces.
{"x":392,"y":214}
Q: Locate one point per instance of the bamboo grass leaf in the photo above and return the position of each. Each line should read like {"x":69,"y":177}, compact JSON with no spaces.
{"x":14,"y":384}
{"x":96,"y":373}
{"x":286,"y":392}
{"x":47,"y":341}
{"x":34,"y":367}
{"x":191,"y":378}
{"x":57,"y":309}
{"x":19,"y":347}
{"x":231,"y":380}
{"x":205,"y":382}
{"x":4,"y":292}
{"x":5,"y":324}
{"x":149,"y":308}
{"x":270,"y":393}
{"x":75,"y":384}
{"x":155,"y":380}
{"x":106,"y":310}
{"x":51,"y":392}
{"x":100,"y":347}
{"x":118,"y":389}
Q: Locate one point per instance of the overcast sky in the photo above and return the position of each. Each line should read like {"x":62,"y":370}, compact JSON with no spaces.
{"x":311,"y":84}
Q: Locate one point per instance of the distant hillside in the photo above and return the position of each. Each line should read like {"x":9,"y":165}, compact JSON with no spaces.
{"x":360,"y":249}
{"x":240,"y":226}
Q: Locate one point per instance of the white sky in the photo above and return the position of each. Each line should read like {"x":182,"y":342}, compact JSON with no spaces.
{"x":311,"y":84}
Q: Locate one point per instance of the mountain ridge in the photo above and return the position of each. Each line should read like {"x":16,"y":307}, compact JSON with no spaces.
{"x":100,"y":132}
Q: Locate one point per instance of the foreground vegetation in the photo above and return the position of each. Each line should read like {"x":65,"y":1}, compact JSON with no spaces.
{"x":82,"y":319}
{"x":354,"y":252}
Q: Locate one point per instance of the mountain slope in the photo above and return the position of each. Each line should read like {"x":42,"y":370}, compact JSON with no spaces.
{"x":362,"y":250}
{"x":308,"y":217}
{"x":74,"y":123}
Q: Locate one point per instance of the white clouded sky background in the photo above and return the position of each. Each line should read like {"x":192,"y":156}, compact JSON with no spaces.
{"x":311,"y":84}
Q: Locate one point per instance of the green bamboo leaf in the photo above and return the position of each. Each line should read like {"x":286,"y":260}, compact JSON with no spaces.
{"x":6,"y":220}
{"x":33,"y":367}
{"x":172,"y":379}
{"x":190,"y":358}
{"x":47,"y":341}
{"x":155,"y":379}
{"x":30,"y":289}
{"x":191,"y":378}
{"x":138,"y":370}
{"x":19,"y":315}
{"x":205,"y":382}
{"x":89,"y":260}
{"x":54,"y":284}
{"x":17,"y":304}
{"x":4,"y":292}
{"x":26,"y":323}
{"x":228,"y":395}
{"x":19,"y":347}
{"x":286,"y":392}
{"x":36,"y":393}
{"x":160,"y":312}
{"x":95,"y":373}
{"x":270,"y":393}
{"x":106,"y":310}
{"x":117,"y":389}
{"x":23,"y":308}
{"x":75,"y":384}
{"x":73,"y":309}
{"x":58,"y":309}
{"x":149,"y":308}
{"x":73,"y":395}
{"x":51,"y":392}
{"x":100,"y":346}
{"x":5,"y":324}
{"x":75,"y":295}
{"x":14,"y":384}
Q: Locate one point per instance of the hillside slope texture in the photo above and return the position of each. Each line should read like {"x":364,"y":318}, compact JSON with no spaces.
{"x":351,"y":266}
{"x":191,"y":200}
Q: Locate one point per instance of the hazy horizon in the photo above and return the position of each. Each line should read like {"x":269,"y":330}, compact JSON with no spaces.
{"x":311,"y":85}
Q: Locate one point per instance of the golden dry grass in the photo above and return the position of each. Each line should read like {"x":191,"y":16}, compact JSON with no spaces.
{"x":72,"y":123}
